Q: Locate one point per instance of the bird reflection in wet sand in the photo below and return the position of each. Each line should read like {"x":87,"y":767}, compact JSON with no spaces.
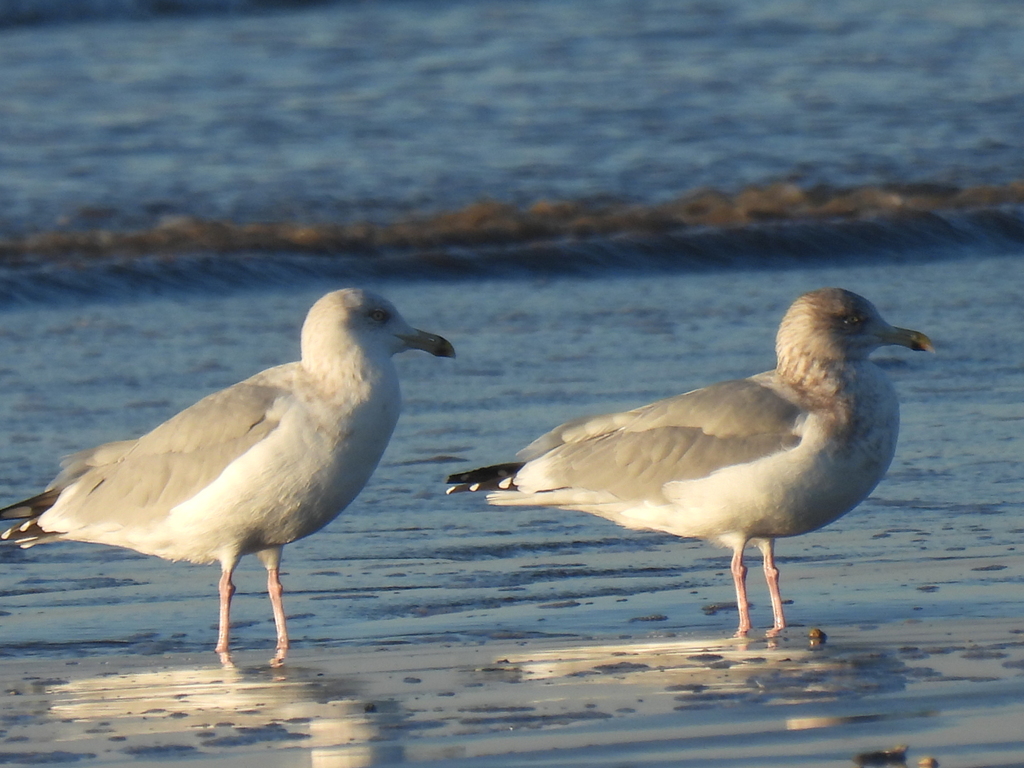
{"x":248,"y":469}
{"x":740,"y":462}
{"x":362,"y":706}
{"x":216,"y":712}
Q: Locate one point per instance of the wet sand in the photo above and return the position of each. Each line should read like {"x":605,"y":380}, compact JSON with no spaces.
{"x":952,"y":690}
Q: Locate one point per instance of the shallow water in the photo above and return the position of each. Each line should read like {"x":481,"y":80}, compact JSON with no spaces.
{"x":950,"y":690}
{"x":938,"y":538}
{"x":436,"y":630}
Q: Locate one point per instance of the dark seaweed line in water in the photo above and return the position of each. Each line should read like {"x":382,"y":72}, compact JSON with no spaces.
{"x":490,"y":223}
{"x":910,"y":236}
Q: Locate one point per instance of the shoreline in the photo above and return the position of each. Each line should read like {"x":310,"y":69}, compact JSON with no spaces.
{"x":947,"y":689}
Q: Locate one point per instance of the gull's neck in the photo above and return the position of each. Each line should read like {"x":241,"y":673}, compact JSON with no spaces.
{"x":346,"y":368}
{"x":817,"y":382}
{"x":823,"y":384}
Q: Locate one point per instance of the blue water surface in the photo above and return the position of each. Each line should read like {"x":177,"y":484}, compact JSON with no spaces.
{"x":372,"y":110}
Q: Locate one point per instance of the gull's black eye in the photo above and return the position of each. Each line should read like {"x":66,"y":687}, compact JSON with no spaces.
{"x":852,"y":322}
{"x":379,"y":315}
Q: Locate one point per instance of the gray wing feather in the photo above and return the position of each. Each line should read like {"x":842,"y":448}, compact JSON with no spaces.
{"x":145,"y":478}
{"x":637,"y":465}
{"x":633,"y":454}
{"x":736,"y":408}
{"x":77,"y":464}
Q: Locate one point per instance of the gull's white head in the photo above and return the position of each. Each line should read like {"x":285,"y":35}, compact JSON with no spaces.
{"x":353,"y":317}
{"x":835,"y":325}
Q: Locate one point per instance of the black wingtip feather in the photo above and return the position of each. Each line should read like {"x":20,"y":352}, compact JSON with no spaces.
{"x":485,"y":478}
{"x":29,"y":508}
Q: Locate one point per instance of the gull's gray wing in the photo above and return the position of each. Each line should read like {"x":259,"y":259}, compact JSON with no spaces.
{"x":729,"y":408}
{"x":142,"y":480}
{"x":72,"y":468}
{"x":77,"y":464}
{"x":632,"y":455}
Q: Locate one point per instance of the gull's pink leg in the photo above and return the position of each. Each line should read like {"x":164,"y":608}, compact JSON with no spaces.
{"x":272,"y":560}
{"x":739,"y":577}
{"x":226,"y":589}
{"x":275,"y":590}
{"x":771,"y":575}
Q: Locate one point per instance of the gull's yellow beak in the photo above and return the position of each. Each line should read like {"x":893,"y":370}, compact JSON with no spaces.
{"x":905,"y":337}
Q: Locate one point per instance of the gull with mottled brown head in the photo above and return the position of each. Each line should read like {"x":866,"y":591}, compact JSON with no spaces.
{"x":248,"y":469}
{"x":740,"y":462}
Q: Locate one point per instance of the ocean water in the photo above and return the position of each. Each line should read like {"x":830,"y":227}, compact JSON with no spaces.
{"x":120,"y":115}
{"x":351,"y":110}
